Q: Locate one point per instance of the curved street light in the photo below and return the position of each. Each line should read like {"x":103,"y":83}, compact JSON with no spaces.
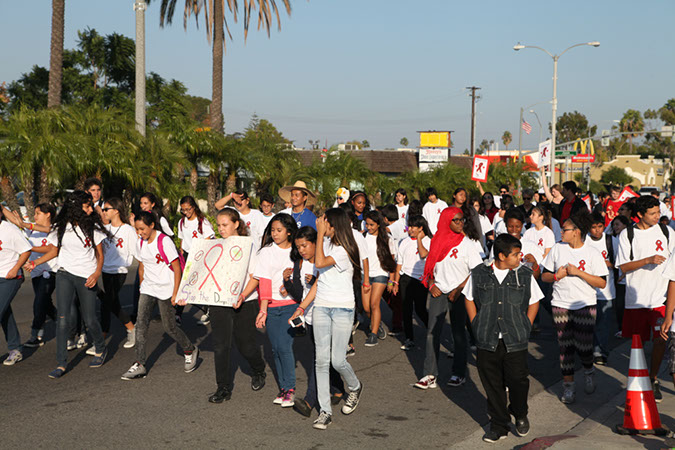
{"x":554,"y":102}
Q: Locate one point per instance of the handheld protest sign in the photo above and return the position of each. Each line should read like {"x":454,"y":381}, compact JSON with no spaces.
{"x":215,"y":272}
{"x":480,"y":168}
{"x":544,"y":154}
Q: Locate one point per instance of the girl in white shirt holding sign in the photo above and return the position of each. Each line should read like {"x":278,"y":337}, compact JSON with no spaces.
{"x":14,"y":252}
{"x":119,"y":254}
{"x":576,"y":270}
{"x":160,"y":274}
{"x":77,"y":240}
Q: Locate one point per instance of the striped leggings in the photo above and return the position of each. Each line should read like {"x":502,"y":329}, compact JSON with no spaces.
{"x":575,"y":335}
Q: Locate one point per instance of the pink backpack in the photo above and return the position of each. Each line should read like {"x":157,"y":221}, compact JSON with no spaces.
{"x":162,"y":254}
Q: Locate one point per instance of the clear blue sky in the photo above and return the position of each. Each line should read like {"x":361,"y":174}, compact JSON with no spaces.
{"x":384,"y":69}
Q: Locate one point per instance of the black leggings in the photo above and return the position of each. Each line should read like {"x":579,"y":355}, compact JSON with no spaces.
{"x":414,"y":294}
{"x":112,"y":283}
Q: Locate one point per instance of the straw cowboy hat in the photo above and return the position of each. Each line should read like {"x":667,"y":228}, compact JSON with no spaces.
{"x":285,"y":192}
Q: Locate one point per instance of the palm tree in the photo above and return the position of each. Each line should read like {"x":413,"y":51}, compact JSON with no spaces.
{"x":56,"y":54}
{"x":632,"y":122}
{"x":216,"y":25}
{"x":507,"y":139}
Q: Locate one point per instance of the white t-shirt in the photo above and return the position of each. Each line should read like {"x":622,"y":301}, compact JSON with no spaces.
{"x":12,"y":244}
{"x":363,"y":247}
{"x":500,"y":274}
{"x":452,"y":270}
{"x":166,"y":228}
{"x":256,"y":223}
{"x":645,"y":287}
{"x":543,"y":238}
{"x":485,"y":224}
{"x":190,"y":230}
{"x":499,"y":225}
{"x":374,"y":268}
{"x":609,"y":292}
{"x":335,"y":288}
{"x":398,"y":230}
{"x":307,"y":269}
{"x":119,"y":251}
{"x":158,"y":278}
{"x":409,"y":257}
{"x":76,"y":255}
{"x":432,"y":212}
{"x":266,"y":221}
{"x":573,"y":292}
{"x":39,"y":239}
{"x":615,"y":244}
{"x":669,"y":275}
{"x":403,"y":212}
{"x":272,"y":261}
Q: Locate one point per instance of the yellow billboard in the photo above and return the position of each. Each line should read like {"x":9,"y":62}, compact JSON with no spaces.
{"x":435,"y":139}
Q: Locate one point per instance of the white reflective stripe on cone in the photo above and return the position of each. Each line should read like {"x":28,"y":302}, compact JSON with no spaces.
{"x":639,"y":384}
{"x":637,"y":359}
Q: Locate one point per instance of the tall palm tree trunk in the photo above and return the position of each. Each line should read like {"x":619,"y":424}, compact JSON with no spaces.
{"x":56,"y":54}
{"x":8,"y":193}
{"x":217,"y":122}
{"x":212,"y":183}
{"x":45,"y":191}
{"x":28,"y":186}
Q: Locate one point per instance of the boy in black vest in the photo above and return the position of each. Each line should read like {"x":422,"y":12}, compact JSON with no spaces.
{"x":502,"y":300}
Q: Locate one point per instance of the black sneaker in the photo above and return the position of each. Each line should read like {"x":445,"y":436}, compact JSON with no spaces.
{"x":35,"y":342}
{"x":258,"y":381}
{"x":335,"y":399}
{"x":351,"y":351}
{"x":493,"y":436}
{"x":371,"y":340}
{"x":220,"y":395}
{"x":301,"y":406}
{"x":352,"y":401}
{"x":600,"y":361}
{"x":323,"y":421}
{"x":656,"y":388}
{"x":381,"y":334}
{"x":522,"y":427}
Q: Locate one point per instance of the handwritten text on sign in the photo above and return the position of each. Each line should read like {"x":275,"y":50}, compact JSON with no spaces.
{"x":215,"y":271}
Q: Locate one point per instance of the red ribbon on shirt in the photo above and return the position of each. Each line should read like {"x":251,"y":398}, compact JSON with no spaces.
{"x":194,"y":235}
{"x":44,"y":242}
{"x":541,"y":242}
{"x":119,"y":242}
{"x":582,"y":265}
{"x":659,"y":245}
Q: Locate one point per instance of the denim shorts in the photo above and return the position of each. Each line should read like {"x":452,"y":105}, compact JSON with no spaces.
{"x":379,"y":279}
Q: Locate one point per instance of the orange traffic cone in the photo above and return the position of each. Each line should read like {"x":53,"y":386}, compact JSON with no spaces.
{"x":640,"y":415}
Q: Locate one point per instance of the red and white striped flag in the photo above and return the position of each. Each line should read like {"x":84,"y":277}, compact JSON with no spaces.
{"x":526,"y":126}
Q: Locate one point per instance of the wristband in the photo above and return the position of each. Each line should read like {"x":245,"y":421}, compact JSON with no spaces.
{"x":365,"y":285}
{"x":390,"y":283}
{"x":432,"y":286}
{"x":395,"y":282}
{"x":263,"y":312}
{"x":555,"y":277}
{"x":31,"y":226}
{"x":301,"y":309}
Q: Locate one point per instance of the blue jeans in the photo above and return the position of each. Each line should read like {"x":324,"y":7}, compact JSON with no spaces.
{"x":605,"y":314}
{"x":42,"y":305}
{"x":332,"y":330}
{"x":336,"y":384}
{"x":280,"y":333}
{"x":67,"y":285}
{"x":8,"y":290}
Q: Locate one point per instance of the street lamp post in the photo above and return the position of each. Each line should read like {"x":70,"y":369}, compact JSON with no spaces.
{"x":554,"y":102}
{"x":140,"y":6}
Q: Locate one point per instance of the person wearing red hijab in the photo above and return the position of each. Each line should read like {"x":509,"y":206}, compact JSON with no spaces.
{"x":451,"y":257}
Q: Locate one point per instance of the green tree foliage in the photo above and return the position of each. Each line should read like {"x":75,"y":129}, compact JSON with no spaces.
{"x":507,"y":138}
{"x":616,"y":176}
{"x":404,"y":142}
{"x":573,"y":126}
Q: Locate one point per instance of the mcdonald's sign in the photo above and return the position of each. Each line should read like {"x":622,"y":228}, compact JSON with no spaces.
{"x":584,"y":144}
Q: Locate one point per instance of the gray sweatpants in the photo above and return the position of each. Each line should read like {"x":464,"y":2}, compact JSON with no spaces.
{"x":146,"y":304}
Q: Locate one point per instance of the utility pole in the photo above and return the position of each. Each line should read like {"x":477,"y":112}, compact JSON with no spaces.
{"x":473,"y":118}
{"x":140,"y":6}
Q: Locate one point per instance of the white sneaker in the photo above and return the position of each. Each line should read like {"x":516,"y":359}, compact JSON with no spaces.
{"x":135,"y":371}
{"x":427,"y":382}
{"x":71,"y":345}
{"x":191,"y":360}
{"x":204,"y":319}
{"x":14,"y":357}
{"x":131,"y":338}
{"x":91,"y":351}
{"x":82,"y":341}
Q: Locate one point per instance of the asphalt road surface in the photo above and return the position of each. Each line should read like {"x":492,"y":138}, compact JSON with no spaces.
{"x":94,"y":408}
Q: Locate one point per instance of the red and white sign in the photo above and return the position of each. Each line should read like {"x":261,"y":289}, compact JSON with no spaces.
{"x":480,"y":168}
{"x":672,"y":206}
{"x":544,"y":154}
{"x":626,"y":194}
{"x":587,"y":200}
{"x":583,"y":158}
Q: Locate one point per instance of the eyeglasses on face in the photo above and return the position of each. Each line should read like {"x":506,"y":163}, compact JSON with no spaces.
{"x":107,"y":209}
{"x":565,"y":230}
{"x":187,"y":210}
{"x":459,"y":220}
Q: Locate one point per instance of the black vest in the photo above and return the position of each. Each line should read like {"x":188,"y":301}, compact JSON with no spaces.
{"x":502,"y":308}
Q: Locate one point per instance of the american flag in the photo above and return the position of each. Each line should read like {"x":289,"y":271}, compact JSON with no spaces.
{"x":526,"y":126}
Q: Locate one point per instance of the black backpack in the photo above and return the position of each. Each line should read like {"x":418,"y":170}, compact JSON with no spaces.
{"x":631,"y":235}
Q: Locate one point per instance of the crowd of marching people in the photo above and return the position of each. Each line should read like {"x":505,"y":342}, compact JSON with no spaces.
{"x":595,"y":263}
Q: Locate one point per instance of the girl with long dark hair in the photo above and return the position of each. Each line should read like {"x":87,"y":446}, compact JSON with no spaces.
{"x":275,"y":306}
{"x":337,"y":263}
{"x":401,"y":198}
{"x":382,"y":265}
{"x":150,"y":202}
{"x":77,"y":240}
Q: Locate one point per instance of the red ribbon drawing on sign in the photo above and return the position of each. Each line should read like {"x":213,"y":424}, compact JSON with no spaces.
{"x":541,"y":243}
{"x":159,"y":258}
{"x":0,"y":245}
{"x":119,"y":242}
{"x":44,"y":242}
{"x":544,"y":152}
{"x":659,"y":246}
{"x":210,"y":269}
{"x":454,"y":253}
{"x":479,"y":169}
{"x":582,"y":265}
{"x":194,"y":235}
